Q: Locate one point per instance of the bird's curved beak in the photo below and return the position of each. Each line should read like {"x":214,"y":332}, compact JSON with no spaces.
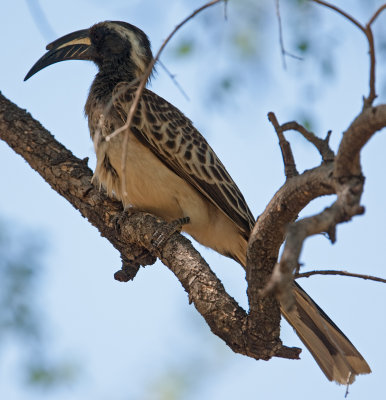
{"x":74,"y":46}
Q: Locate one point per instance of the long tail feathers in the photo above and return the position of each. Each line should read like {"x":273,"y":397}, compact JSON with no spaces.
{"x":336,"y":355}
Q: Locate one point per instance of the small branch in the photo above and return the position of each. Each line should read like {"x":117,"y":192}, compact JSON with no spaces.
{"x":376,"y":15}
{"x":280,"y":33}
{"x":284,"y":52}
{"x":322,"y":145}
{"x":174,"y":80}
{"x":142,"y":85}
{"x":342,"y":273}
{"x":326,"y":221}
{"x":285,"y":147}
{"x":348,"y":185}
{"x":367,"y":101}
{"x":341,"y":12}
{"x":149,"y":69}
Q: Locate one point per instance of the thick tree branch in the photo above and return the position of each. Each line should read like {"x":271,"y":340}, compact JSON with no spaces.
{"x":71,"y":178}
{"x":356,"y":136}
{"x":269,"y":233}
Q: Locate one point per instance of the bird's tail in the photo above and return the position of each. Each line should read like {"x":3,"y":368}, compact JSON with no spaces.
{"x":336,"y":355}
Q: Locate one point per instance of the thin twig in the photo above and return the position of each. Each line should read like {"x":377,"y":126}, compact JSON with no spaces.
{"x":173,"y":78}
{"x":376,"y":15}
{"x":280,"y":33}
{"x":226,"y":10}
{"x":343,"y":273}
{"x":285,"y":147}
{"x":341,"y":12}
{"x":367,"y":101}
{"x":284,"y":52}
{"x":321,"y":144}
{"x":142,"y":85}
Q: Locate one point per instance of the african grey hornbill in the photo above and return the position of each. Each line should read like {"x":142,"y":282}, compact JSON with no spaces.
{"x":172,"y":171}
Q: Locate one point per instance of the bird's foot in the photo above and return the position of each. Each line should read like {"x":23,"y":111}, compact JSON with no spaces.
{"x":119,"y":218}
{"x":161,"y":237}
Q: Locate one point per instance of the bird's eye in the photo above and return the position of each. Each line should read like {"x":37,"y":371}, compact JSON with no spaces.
{"x":96,"y":36}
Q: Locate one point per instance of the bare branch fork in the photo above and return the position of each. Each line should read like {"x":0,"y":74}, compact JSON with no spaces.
{"x":348,"y":180}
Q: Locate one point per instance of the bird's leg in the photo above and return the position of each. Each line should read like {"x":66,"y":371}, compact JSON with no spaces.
{"x":161,"y":237}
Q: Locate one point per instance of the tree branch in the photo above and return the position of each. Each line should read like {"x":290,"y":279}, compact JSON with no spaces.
{"x":376,"y":14}
{"x":348,"y":185}
{"x":71,"y":178}
{"x":285,"y":147}
{"x":269,"y":232}
{"x":321,"y":144}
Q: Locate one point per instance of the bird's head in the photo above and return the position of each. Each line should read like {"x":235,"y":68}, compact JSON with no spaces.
{"x":112,"y":45}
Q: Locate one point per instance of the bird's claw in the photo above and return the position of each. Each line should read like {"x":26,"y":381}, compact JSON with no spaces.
{"x":119,"y":218}
{"x":161,"y":237}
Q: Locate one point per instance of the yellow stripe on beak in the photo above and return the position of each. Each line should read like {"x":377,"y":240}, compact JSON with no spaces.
{"x":84,"y":40}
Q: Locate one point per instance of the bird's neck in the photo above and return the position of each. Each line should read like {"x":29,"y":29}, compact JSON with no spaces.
{"x":108,"y":77}
{"x":110,"y":74}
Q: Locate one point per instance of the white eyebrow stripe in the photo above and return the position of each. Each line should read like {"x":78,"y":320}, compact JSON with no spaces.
{"x":138,"y":54}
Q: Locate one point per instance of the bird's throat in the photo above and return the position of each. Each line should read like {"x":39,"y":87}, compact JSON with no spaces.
{"x":109,"y":75}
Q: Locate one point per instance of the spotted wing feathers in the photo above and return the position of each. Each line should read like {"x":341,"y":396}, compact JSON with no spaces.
{"x":174,"y":140}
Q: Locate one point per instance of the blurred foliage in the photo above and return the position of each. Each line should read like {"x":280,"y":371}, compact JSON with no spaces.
{"x":21,"y":319}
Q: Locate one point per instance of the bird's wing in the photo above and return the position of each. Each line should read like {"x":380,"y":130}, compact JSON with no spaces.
{"x":171,"y":136}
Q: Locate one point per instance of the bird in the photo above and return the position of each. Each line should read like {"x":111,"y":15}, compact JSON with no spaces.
{"x":173,"y":173}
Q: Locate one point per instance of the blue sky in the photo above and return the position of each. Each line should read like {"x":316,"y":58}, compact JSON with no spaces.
{"x":127,"y":337}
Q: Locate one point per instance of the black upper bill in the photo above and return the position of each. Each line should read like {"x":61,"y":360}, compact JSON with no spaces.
{"x":74,"y":46}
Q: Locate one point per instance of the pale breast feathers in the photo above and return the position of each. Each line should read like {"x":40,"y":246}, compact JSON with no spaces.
{"x":173,"y":139}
